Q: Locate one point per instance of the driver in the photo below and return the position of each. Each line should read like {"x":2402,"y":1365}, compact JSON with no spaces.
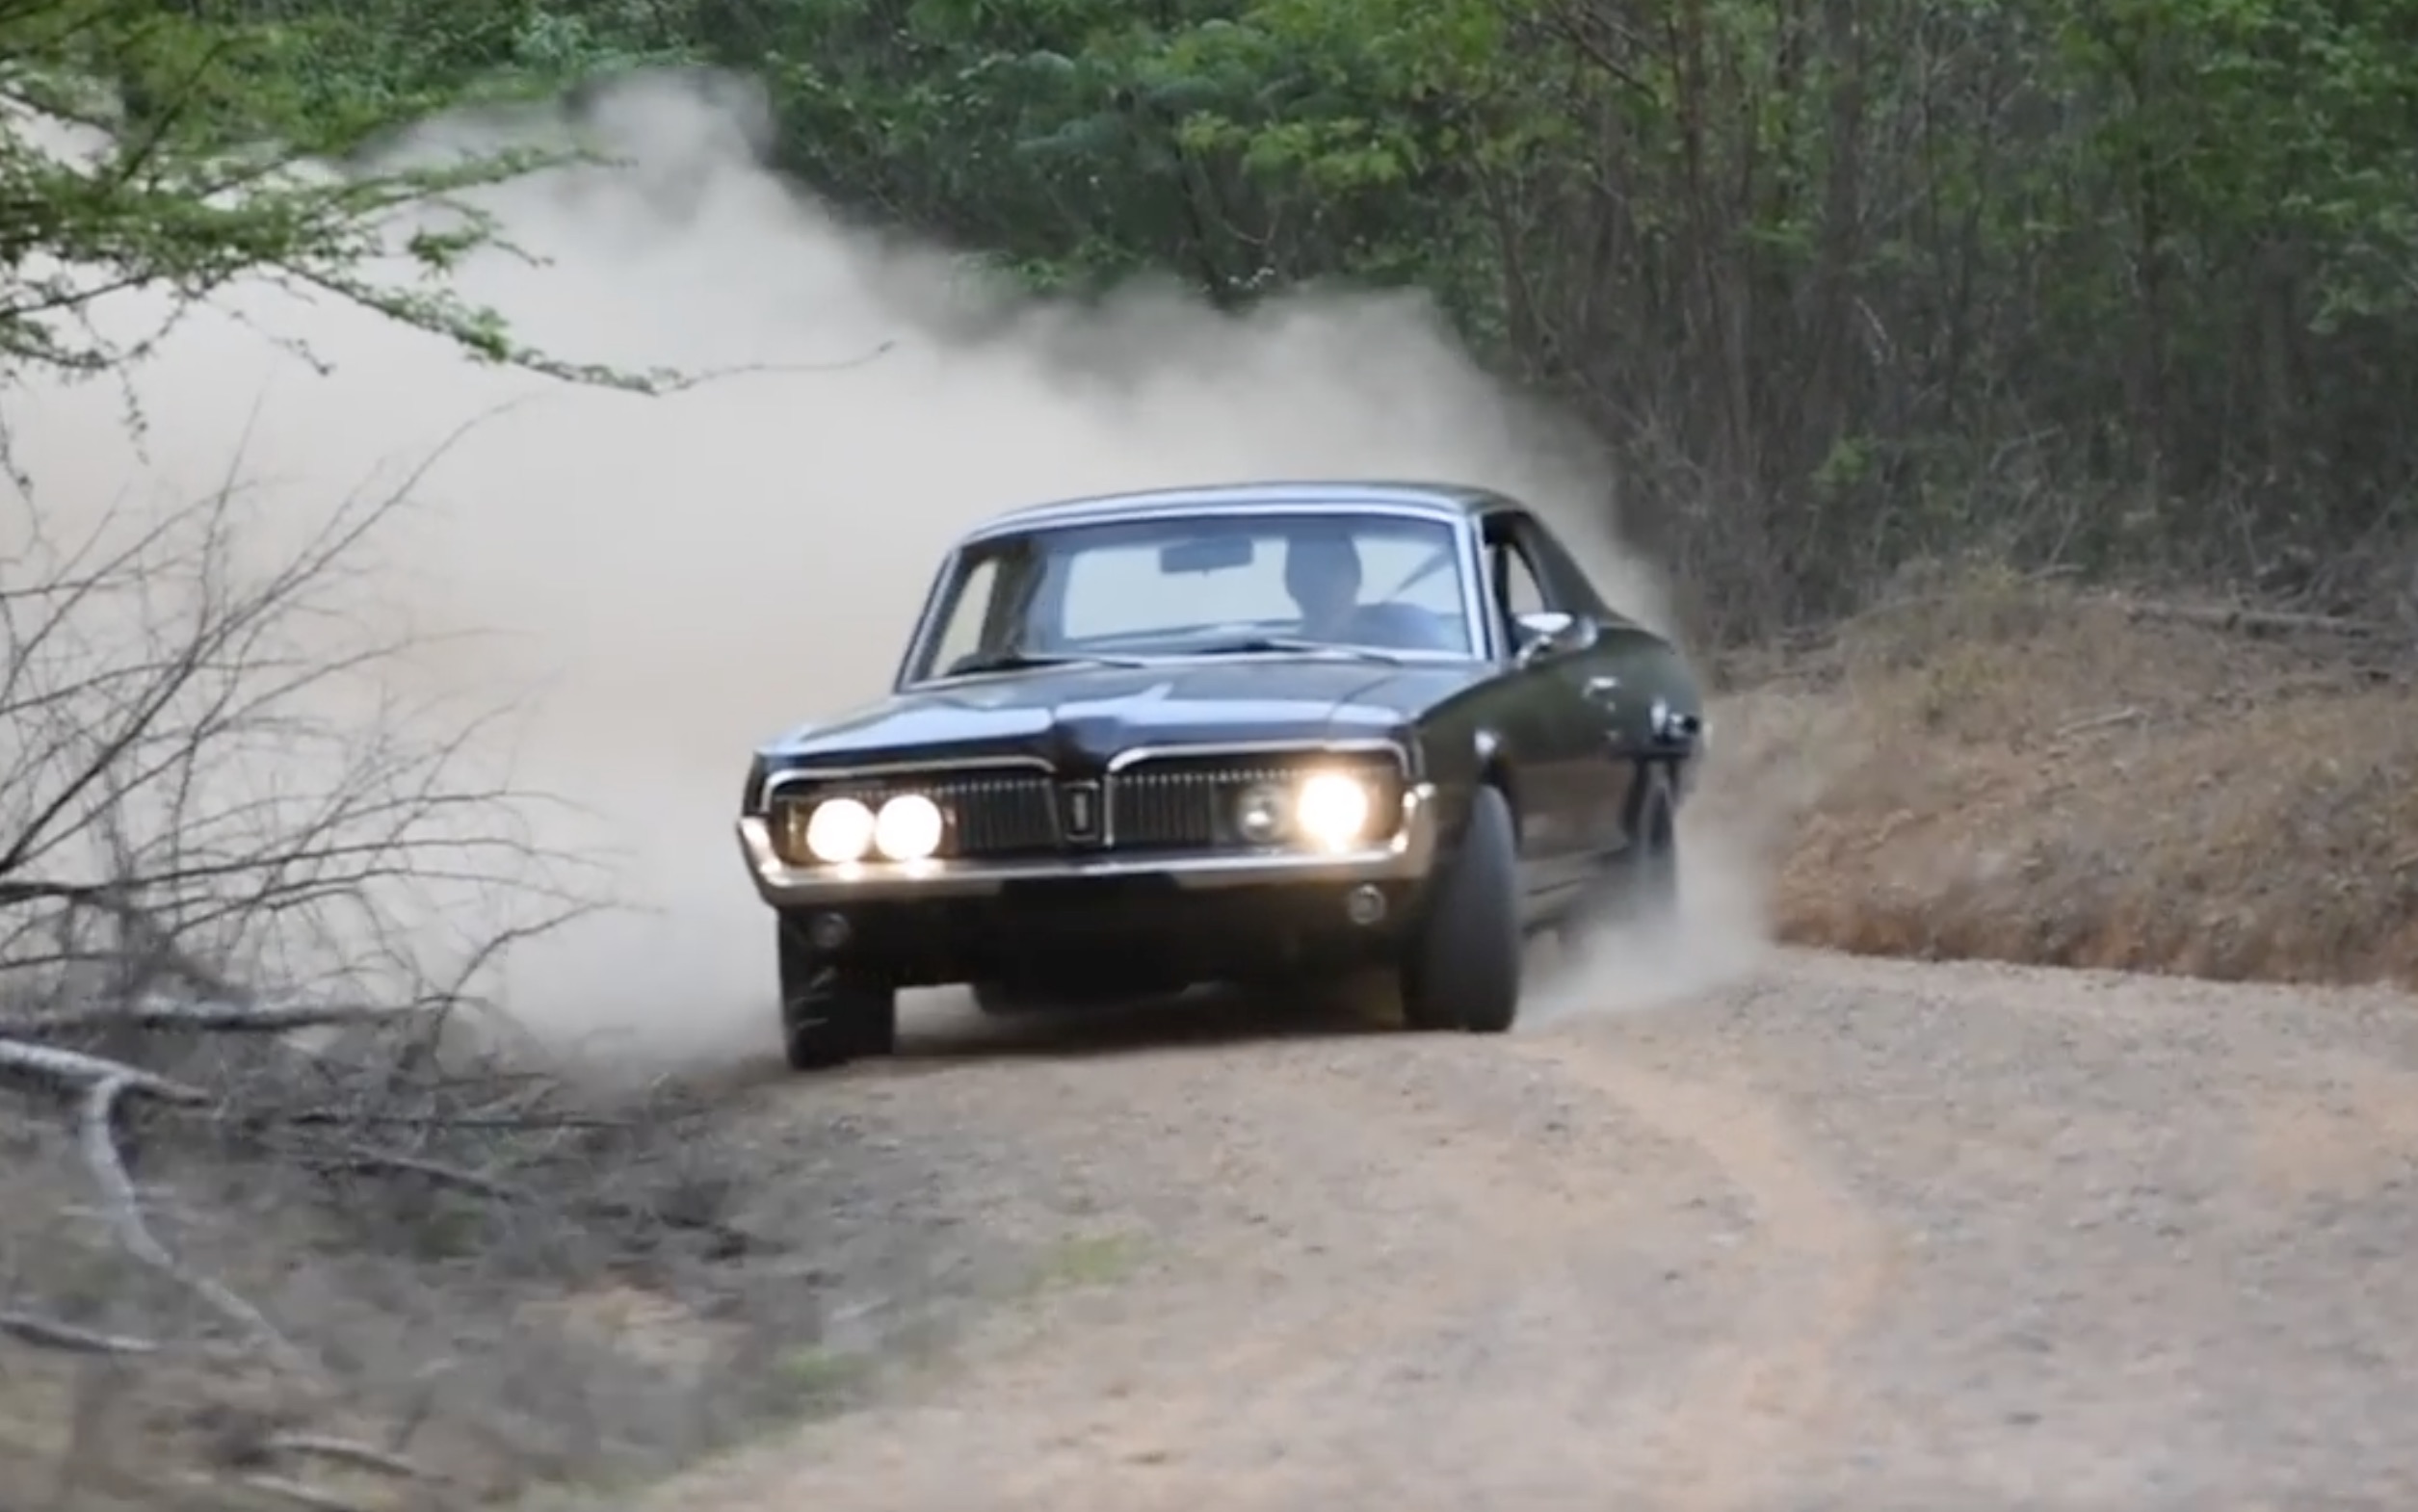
{"x":1322,"y":572}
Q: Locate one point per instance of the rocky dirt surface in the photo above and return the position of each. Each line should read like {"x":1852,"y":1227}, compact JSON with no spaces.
{"x":1839,"y":1233}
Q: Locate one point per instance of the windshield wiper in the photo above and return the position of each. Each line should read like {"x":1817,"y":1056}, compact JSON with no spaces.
{"x":1272,"y":645}
{"x":1020,"y":661}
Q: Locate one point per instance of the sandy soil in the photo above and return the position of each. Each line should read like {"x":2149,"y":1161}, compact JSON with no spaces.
{"x":1844,"y":1233}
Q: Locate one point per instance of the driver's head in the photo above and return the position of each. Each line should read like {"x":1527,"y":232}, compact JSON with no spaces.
{"x":1322,"y":571}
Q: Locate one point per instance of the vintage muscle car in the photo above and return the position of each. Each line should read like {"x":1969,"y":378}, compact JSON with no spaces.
{"x":1288,"y":731}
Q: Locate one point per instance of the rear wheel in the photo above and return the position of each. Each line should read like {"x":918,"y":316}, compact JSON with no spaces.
{"x":1645,"y":880}
{"x":1461,"y":966}
{"x":1640,"y":886}
{"x":829,"y":1016}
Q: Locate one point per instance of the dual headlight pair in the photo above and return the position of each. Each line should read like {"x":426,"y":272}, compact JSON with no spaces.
{"x":907,"y":827}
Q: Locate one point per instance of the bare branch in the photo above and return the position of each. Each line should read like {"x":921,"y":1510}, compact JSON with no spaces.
{"x":293,"y":1491}
{"x":343,"y":1452}
{"x":363,"y":1159}
{"x":74,"y":1072}
{"x":160,"y":1013}
{"x":100,"y":1156}
{"x":2256,"y":621}
{"x":44,"y":1333}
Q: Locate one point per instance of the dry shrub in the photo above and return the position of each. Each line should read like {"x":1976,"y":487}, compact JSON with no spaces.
{"x":480,"y":1275}
{"x":2021,"y":771}
{"x":290,"y":1213}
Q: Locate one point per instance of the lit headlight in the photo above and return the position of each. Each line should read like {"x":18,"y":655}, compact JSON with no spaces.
{"x":909,"y":827}
{"x":1332,"y":810}
{"x":839,"y":830}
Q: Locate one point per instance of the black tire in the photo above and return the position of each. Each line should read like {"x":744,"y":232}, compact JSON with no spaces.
{"x":1644,"y":882}
{"x":1461,"y":969}
{"x":1001,"y":1001}
{"x":830,"y":1018}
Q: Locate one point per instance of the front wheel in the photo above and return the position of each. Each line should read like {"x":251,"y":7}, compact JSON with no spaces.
{"x":1461,"y":966}
{"x":829,"y":1016}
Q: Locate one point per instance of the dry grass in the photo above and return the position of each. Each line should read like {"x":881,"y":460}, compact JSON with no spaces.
{"x":2012,"y":770}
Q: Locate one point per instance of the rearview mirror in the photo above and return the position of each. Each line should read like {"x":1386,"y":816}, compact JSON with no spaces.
{"x":1207,"y":554}
{"x":1548,"y":632}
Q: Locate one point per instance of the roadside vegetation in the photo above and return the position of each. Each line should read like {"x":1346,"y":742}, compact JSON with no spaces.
{"x":2112,"y":309}
{"x":2022,"y":769}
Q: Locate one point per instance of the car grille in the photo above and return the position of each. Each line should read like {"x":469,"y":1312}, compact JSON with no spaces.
{"x":989,"y":814}
{"x":998,"y":816}
{"x":1161,"y":803}
{"x":1188,"y":802}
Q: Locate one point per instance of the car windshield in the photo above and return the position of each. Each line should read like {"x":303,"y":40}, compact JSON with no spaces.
{"x":1354,"y":583}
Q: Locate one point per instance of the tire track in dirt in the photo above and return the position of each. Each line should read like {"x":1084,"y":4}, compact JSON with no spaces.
{"x":1817,"y":1271}
{"x":1847,"y":1236}
{"x":1519,"y":1208}
{"x":1444,"y":1235}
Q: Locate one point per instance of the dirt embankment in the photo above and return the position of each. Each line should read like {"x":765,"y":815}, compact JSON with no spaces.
{"x":2011,"y":771}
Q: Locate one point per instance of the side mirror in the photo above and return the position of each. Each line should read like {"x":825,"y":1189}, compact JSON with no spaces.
{"x":1548,"y":632}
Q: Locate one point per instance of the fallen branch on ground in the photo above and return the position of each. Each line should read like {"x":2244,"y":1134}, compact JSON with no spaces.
{"x":2096,"y":721}
{"x":102,"y":1084}
{"x":498,"y":1123}
{"x":100,"y":1138}
{"x":2255,"y":621}
{"x":44,"y":1333}
{"x":74,"y":1071}
{"x":291,"y":1491}
{"x":360,"y":1158}
{"x":342,"y":1451}
{"x":161,"y":1014}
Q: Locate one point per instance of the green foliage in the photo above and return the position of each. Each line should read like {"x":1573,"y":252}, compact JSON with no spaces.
{"x":179,"y":149}
{"x":1885,"y":277}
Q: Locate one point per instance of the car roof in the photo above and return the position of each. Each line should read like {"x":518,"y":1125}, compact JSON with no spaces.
{"x":1438,"y":501}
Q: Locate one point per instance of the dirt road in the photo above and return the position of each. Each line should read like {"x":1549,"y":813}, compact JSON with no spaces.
{"x":1843,"y":1234}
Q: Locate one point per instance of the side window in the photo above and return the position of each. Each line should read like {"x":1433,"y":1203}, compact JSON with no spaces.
{"x":1511,"y":582}
{"x":1572,"y":588}
{"x":1522,"y":594}
{"x":961,"y":632}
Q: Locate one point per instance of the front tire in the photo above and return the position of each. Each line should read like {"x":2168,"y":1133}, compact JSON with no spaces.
{"x":1460,"y":968}
{"x":830,"y":1017}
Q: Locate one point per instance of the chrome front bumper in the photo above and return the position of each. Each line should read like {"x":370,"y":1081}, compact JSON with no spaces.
{"x":1406,"y":857}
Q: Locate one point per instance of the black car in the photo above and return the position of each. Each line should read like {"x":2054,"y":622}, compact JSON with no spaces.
{"x":1226,"y":734}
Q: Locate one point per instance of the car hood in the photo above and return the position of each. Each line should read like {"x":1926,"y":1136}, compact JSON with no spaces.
{"x":1079,"y":716}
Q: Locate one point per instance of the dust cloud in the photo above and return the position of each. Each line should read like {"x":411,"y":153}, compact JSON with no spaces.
{"x":654,"y":584}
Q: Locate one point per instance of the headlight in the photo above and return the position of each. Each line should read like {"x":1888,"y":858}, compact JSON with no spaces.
{"x":908,"y":828}
{"x":1263,"y":813}
{"x":1332,"y":810}
{"x":839,"y":831}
